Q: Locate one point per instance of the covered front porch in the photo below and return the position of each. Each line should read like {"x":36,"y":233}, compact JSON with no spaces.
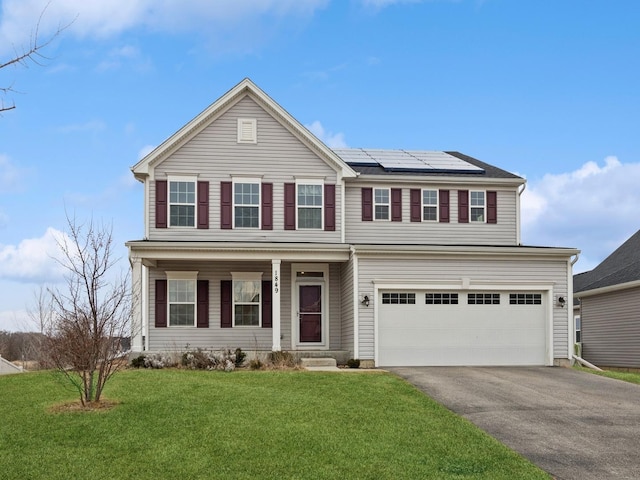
{"x":260,"y":298}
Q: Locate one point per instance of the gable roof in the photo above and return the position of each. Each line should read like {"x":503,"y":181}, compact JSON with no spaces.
{"x":621,"y":267}
{"x":245,"y":88}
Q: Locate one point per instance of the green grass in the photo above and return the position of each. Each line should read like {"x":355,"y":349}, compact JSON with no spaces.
{"x":178,"y":424}
{"x":631,"y":377}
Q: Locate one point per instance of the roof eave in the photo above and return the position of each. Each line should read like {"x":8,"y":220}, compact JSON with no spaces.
{"x":607,"y":289}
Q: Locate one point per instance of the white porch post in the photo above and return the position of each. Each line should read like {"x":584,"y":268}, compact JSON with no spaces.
{"x":137,"y":295}
{"x":275,"y":304}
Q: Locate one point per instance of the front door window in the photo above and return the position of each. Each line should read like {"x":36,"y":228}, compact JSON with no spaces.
{"x":310,"y":299}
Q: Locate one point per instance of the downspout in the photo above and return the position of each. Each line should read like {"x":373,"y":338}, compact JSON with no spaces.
{"x":518,"y":234}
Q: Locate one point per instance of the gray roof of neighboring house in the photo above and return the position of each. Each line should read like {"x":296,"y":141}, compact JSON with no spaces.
{"x":622,"y":266}
{"x":375,"y":166}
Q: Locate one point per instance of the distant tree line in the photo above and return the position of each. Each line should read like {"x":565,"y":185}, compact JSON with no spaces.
{"x":21,"y":346}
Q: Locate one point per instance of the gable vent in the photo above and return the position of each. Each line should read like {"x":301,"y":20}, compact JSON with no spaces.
{"x":247,"y":130}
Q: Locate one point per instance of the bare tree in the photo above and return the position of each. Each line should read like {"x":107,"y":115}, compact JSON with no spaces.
{"x":32,"y":53}
{"x":92,"y":314}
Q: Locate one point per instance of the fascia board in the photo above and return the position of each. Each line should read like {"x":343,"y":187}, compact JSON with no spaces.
{"x":608,"y":289}
{"x":461,"y":250}
{"x":207,"y":251}
{"x":438,"y":180}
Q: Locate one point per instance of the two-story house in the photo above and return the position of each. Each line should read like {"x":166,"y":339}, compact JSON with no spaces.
{"x":259,"y":236}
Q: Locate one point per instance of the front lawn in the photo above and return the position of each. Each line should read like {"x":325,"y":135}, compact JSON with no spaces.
{"x":179,"y":424}
{"x":631,"y":377}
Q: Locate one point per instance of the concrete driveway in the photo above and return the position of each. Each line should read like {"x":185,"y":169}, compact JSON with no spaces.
{"x":572,"y":424}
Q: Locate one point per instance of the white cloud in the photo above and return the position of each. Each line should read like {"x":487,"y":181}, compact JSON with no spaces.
{"x":100,"y":19}
{"x":91,"y":126}
{"x":144,"y":151}
{"x":594,"y":208}
{"x":10,"y":175}
{"x":33,"y":259}
{"x":332,"y":140}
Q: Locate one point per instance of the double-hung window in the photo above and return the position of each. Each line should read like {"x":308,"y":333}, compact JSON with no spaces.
{"x":381,"y":203}
{"x":181,"y":298}
{"x":310,"y":205}
{"x":477,"y":206}
{"x":246,"y":204}
{"x":182,"y":202}
{"x":430,"y":205}
{"x":246,"y":299}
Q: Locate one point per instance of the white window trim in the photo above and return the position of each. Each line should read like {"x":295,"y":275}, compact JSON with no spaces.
{"x":437,"y":205}
{"x":252,"y":123}
{"x":388,"y":205}
{"x":252,"y":180}
{"x":182,"y":178}
{"x":181,"y":275}
{"x":310,"y":181}
{"x":484,"y":216}
{"x":251,"y":277}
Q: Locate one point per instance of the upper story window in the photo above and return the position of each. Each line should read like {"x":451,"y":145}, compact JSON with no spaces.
{"x":477,"y":206}
{"x":310,"y":205}
{"x":246,"y":204}
{"x":182,"y":202}
{"x":430,"y":205}
{"x":246,"y":299}
{"x":181,"y":288}
{"x":381,"y":203}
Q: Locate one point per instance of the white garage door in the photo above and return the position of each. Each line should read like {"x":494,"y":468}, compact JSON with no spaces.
{"x":461,"y":328}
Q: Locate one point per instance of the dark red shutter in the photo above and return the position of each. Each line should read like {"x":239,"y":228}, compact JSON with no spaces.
{"x":203,"y":205}
{"x":161,"y":303}
{"x":225,"y":304}
{"x":203,"y":304}
{"x":492,"y":207}
{"x":161,"y":204}
{"x":415,"y":196}
{"x":463,"y":206}
{"x":443,"y":201}
{"x":330,"y":208}
{"x":267,"y":206}
{"x":226,"y":205}
{"x":289,"y":206}
{"x":396,"y":204}
{"x":367,"y":204}
{"x":266,"y":304}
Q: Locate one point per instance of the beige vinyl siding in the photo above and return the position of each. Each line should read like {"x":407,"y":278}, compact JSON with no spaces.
{"x":611,"y":328}
{"x":435,"y":270}
{"x":247,"y":338}
{"x":215,"y":156}
{"x":347,"y":305}
{"x":408,"y":232}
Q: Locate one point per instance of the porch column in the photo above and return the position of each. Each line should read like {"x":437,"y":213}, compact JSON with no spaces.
{"x":136,"y":299}
{"x":275,"y":304}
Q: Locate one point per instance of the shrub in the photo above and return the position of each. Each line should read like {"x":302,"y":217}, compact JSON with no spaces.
{"x":200,"y":359}
{"x":282,"y":359}
{"x":158,"y":360}
{"x":240,"y":356}
{"x":353,"y":363}
{"x":138,"y":362}
{"x":256,"y":364}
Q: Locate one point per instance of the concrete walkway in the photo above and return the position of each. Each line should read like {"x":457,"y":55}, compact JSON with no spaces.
{"x":572,"y":424}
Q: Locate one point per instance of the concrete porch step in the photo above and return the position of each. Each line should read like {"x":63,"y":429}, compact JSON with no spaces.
{"x":320,"y":364}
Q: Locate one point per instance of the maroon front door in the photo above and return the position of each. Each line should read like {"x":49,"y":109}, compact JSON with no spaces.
{"x":310,"y":299}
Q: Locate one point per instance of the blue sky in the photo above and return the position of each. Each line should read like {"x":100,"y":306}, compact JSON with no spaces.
{"x":547,"y":89}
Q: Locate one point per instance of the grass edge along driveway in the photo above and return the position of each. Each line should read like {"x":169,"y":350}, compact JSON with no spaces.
{"x":198,"y":424}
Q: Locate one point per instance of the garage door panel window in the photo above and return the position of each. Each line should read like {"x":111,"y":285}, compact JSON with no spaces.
{"x":441,"y":298}
{"x":483,"y":299}
{"x":525,"y":299}
{"x":399,"y":298}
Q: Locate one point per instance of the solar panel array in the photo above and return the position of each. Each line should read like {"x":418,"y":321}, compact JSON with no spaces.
{"x":407,"y":160}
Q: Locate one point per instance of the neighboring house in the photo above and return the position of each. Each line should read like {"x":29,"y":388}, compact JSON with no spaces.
{"x":610,"y":308}
{"x":7,"y":367}
{"x":259,"y":236}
